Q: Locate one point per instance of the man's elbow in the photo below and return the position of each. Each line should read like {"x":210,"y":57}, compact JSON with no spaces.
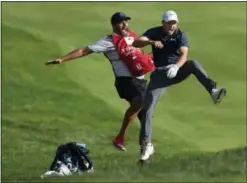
{"x":85,"y":51}
{"x":137,"y":44}
{"x":185,"y":56}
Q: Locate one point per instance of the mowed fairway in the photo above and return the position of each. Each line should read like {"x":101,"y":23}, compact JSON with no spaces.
{"x":43,"y":107}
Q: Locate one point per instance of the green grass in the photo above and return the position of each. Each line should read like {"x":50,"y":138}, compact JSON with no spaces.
{"x":43,"y":107}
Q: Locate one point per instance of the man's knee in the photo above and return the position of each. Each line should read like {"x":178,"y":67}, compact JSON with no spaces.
{"x":192,"y":64}
{"x":136,"y":103}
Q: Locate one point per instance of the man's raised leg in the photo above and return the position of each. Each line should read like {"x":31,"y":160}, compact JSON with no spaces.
{"x":193,"y":67}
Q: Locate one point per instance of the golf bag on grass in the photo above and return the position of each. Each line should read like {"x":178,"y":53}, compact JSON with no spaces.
{"x":70,"y":158}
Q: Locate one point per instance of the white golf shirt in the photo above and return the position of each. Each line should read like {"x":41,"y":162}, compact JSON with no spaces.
{"x":106,"y":46}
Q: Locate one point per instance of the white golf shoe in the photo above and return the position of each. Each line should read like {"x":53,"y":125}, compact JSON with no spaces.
{"x":218,"y":94}
{"x":146,"y":151}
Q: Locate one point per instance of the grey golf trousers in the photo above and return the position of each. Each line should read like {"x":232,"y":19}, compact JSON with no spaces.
{"x":158,"y":85}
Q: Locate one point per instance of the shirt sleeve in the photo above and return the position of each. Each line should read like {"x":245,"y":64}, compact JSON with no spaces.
{"x":100,"y":46}
{"x":184,"y":40}
{"x":150,"y":33}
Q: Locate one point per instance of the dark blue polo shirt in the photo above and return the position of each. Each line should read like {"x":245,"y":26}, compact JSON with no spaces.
{"x":170,"y":53}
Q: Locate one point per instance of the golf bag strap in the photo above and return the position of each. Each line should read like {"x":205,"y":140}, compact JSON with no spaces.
{"x":78,"y":152}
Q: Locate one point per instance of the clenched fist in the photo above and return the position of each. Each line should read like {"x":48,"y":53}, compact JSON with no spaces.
{"x":157,"y":44}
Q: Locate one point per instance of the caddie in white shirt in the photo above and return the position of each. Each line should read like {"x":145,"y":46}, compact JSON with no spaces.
{"x":128,"y":87}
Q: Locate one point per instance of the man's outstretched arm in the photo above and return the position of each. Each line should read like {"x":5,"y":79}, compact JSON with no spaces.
{"x":141,"y":42}
{"x":144,"y":41}
{"x":80,"y":52}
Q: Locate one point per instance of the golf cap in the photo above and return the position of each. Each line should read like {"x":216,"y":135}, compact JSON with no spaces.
{"x":170,"y":16}
{"x":119,"y":17}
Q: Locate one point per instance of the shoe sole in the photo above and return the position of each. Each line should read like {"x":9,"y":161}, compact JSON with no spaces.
{"x":121,"y":148}
{"x":222,"y":93}
{"x":147,"y":161}
{"x":141,"y":162}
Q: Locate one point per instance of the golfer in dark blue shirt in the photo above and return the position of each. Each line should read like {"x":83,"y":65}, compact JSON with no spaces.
{"x":170,"y":49}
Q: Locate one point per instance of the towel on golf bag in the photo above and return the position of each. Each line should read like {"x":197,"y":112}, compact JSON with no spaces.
{"x":70,"y":158}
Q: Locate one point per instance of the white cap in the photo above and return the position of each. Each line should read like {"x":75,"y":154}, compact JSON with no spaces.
{"x":170,"y":16}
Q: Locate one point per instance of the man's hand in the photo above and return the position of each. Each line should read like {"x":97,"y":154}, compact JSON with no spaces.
{"x":172,"y":70}
{"x":52,"y":62}
{"x":157,"y":44}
